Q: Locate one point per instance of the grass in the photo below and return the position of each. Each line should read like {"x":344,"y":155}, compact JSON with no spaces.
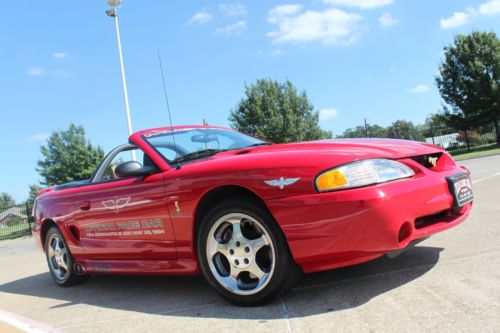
{"x":14,"y":231}
{"x":478,"y":153}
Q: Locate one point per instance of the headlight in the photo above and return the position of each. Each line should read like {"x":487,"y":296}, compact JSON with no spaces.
{"x":362,"y":173}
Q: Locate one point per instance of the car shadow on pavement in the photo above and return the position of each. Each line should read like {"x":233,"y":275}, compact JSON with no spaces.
{"x":190,"y":296}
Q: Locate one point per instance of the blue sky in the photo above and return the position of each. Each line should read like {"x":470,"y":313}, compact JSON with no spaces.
{"x":356,"y":59}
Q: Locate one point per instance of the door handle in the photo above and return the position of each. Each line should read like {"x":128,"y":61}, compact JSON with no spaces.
{"x":85,"y":205}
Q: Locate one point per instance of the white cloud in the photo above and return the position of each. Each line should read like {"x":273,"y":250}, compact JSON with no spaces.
{"x":201,"y":17}
{"x":233,"y":29}
{"x":331,"y":26}
{"x":56,"y":72}
{"x":61,"y":55}
{"x":387,"y":19}
{"x":38,"y":137}
{"x":457,"y":19}
{"x":279,"y":12}
{"x":420,"y":89}
{"x":326,"y":114}
{"x":235,"y":9}
{"x":363,"y":4}
{"x":36,"y":71}
{"x":490,"y":8}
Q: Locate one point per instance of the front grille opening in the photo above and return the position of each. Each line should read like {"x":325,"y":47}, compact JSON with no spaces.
{"x":429,"y":161}
{"x":442,"y":217}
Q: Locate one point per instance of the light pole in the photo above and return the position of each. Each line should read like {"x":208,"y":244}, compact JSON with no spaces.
{"x":115,"y":4}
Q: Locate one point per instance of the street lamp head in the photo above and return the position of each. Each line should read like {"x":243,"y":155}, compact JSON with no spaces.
{"x":111,"y":12}
{"x":115,"y":3}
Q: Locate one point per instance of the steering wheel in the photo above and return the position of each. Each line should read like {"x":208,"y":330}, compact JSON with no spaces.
{"x":174,"y":147}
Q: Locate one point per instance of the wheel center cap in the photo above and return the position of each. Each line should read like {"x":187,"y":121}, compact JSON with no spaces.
{"x":241,"y":255}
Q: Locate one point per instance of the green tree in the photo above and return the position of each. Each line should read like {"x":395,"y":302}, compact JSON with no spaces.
{"x":468,"y":81}
{"x":435,"y":120}
{"x":277,"y":112}
{"x":368,"y":131}
{"x":33,"y":193}
{"x":68,"y":156}
{"x":403,"y":129}
{"x":6,"y":201}
{"x":434,"y":125}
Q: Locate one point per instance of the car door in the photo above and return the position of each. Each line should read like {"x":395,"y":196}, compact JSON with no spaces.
{"x":124,"y":218}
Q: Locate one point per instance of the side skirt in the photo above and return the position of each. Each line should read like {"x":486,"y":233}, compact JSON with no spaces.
{"x":139,"y":267}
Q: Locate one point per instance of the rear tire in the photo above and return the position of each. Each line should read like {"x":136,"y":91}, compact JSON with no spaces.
{"x":60,"y":260}
{"x":243,"y":253}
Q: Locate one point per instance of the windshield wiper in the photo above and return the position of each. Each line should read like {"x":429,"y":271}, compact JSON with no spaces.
{"x":258,"y":144}
{"x":196,"y":155}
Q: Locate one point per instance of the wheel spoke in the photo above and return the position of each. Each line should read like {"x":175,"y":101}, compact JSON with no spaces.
{"x":230,"y":283}
{"x":222,"y":248}
{"x":237,"y":234}
{"x":235,"y":271}
{"x":57,"y":245}
{"x":257,"y":243}
{"x":63,"y":264}
{"x":255,"y":270}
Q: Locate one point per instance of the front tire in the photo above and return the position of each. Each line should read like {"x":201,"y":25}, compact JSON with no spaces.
{"x":243,"y":253}
{"x":60,"y":260}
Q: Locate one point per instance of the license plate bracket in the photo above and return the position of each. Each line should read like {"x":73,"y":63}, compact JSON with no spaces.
{"x":460,"y":187}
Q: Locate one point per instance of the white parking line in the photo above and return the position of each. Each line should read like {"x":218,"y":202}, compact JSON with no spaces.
{"x":25,"y":324}
{"x":484,"y":178}
{"x":286,"y":316}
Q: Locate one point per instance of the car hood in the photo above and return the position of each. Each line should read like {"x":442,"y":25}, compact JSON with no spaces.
{"x":313,"y":155}
{"x":386,"y":148}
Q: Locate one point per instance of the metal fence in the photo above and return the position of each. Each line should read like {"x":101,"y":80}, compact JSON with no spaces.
{"x":15,"y":221}
{"x":454,"y":141}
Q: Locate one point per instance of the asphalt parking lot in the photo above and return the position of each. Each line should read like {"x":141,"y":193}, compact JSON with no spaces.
{"x":448,"y":283}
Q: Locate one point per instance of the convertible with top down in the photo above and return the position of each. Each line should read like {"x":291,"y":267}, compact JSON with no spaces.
{"x":249,"y":215}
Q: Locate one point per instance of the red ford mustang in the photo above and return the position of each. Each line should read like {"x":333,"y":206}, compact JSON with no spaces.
{"x":249,"y":215}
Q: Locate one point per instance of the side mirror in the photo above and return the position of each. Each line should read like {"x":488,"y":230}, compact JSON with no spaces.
{"x":133,"y":169}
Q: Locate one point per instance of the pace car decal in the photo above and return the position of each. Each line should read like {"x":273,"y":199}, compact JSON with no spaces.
{"x":282,"y":182}
{"x":125,"y":229}
{"x":116,"y":204}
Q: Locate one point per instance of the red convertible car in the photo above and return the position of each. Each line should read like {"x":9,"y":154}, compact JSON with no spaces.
{"x":251,"y":216}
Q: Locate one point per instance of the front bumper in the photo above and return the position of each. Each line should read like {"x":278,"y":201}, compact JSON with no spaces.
{"x":330,"y":230}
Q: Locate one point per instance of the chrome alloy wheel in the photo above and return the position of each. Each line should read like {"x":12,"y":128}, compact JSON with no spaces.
{"x":57,"y":255}
{"x":240,"y":254}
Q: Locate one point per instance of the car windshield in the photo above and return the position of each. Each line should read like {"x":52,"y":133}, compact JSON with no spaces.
{"x":181,"y":146}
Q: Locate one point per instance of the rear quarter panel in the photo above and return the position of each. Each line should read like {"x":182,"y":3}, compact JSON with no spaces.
{"x":59,"y":208}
